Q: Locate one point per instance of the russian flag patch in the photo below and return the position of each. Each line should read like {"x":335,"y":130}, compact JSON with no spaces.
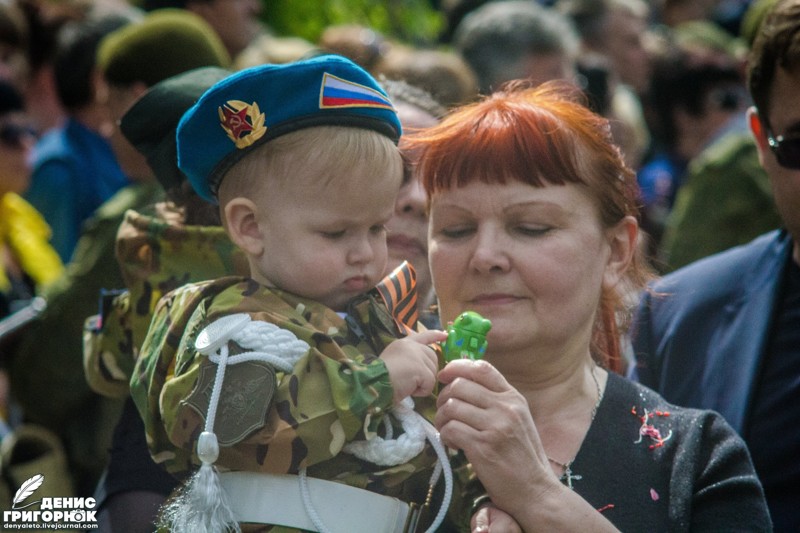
{"x":337,"y":92}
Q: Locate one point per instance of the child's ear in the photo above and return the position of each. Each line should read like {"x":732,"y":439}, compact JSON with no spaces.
{"x":241,"y":221}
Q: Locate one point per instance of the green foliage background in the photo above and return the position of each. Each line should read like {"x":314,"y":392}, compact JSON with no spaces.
{"x":411,"y":21}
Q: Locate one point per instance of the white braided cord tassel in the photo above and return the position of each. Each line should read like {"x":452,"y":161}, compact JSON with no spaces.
{"x":202,"y":505}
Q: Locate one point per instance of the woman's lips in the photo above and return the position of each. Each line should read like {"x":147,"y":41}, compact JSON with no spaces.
{"x":405,"y":246}
{"x":494,"y":299}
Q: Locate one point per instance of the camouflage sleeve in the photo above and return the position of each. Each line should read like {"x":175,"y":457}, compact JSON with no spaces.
{"x":108,"y":354}
{"x":361,"y":392}
{"x":154,"y":368}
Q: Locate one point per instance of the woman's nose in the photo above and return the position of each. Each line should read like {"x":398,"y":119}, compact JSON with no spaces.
{"x":490,"y":254}
{"x":411,"y":199}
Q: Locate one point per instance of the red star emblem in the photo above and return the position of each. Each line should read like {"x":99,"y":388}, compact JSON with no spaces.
{"x":236,"y":121}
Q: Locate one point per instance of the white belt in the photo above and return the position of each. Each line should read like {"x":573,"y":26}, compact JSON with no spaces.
{"x":277,"y":500}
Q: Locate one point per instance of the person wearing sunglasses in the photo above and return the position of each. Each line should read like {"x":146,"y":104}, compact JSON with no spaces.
{"x":722,"y":333}
{"x":28,"y":260}
{"x":719,"y":195}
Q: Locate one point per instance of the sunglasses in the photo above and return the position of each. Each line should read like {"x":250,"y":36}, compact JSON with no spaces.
{"x":14,"y":135}
{"x":786,"y":150}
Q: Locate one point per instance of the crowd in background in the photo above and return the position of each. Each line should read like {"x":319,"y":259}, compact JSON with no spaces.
{"x":669,"y":74}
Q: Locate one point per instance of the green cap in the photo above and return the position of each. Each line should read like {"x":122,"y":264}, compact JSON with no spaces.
{"x":710,"y":35}
{"x":165,"y":43}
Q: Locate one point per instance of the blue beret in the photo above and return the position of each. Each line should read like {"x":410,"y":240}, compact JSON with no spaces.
{"x":261,"y":103}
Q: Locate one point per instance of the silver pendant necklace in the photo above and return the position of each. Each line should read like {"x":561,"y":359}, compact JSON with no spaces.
{"x":568,"y":476}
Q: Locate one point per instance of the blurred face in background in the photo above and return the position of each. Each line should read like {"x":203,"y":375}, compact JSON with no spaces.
{"x":16,"y":142}
{"x":235,"y":21}
{"x":14,"y":66}
{"x":14,"y":34}
{"x":540,"y":68}
{"x":118,"y":99}
{"x":626,"y":50}
{"x":407,"y":233}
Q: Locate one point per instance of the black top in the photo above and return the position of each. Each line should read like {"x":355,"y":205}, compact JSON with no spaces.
{"x":773,"y":432}
{"x":650,"y":466}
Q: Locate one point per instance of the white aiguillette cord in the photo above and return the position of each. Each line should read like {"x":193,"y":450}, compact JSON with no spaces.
{"x":390,"y":452}
{"x":206,"y":507}
{"x":202,"y":505}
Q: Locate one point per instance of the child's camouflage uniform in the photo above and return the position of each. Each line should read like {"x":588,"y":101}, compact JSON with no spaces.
{"x":270,"y":422}
{"x":156,"y":255}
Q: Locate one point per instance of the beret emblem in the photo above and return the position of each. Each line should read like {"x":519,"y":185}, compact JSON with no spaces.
{"x":242,"y":122}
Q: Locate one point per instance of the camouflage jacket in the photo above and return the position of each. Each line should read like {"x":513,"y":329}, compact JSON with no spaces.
{"x":268,"y":421}
{"x":156,"y":254}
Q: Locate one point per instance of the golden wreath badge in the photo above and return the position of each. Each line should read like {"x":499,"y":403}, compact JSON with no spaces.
{"x":242,"y":122}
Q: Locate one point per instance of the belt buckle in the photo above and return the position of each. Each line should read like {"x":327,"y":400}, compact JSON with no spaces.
{"x":417,"y":514}
{"x":412,"y":519}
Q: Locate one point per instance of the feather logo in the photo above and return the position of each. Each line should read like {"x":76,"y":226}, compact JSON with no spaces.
{"x":26,"y":489}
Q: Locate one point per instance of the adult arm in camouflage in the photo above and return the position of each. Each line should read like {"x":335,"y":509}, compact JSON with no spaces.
{"x":156,"y":255}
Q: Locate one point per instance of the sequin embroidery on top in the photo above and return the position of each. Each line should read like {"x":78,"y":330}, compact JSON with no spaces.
{"x":647,"y":429}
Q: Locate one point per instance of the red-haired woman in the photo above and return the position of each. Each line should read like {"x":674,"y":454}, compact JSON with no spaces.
{"x":533,"y":224}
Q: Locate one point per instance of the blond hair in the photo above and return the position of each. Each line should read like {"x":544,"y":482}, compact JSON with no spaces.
{"x":324,"y":153}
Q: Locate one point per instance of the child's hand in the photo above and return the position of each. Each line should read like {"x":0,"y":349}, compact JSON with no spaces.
{"x":412,"y":364}
{"x":490,"y":519}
